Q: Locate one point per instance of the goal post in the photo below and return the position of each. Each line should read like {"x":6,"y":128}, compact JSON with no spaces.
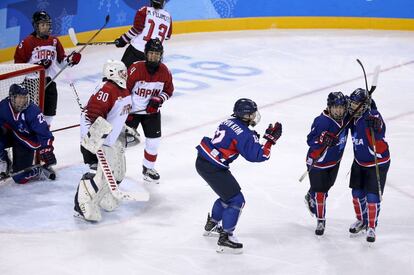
{"x":29,"y":75}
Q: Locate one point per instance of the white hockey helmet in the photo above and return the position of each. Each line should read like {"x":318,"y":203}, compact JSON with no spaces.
{"x":116,"y":71}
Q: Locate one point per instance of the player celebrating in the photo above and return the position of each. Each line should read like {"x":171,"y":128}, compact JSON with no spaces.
{"x":44,"y":49}
{"x":107,"y":108}
{"x":24,"y":129}
{"x":232,"y":138}
{"x":149,"y":23}
{"x":151,"y":85}
{"x":364,"y":179}
{"x":325,"y":167}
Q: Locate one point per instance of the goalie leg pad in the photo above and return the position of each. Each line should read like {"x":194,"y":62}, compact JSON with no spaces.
{"x":109,"y":202}
{"x":86,"y":197}
{"x":96,"y":135}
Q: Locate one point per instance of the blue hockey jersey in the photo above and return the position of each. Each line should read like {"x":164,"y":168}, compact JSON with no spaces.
{"x":233,"y":138}
{"x":333,"y":154}
{"x":28,"y":127}
{"x":362,"y":141}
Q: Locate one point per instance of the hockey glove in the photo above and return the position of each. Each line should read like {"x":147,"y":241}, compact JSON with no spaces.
{"x":73,"y":58}
{"x":374,"y":122}
{"x":273,"y":133}
{"x":329,"y":139}
{"x":154,"y":104}
{"x":120,"y":42}
{"x":45,"y":63}
{"x":47,"y":156}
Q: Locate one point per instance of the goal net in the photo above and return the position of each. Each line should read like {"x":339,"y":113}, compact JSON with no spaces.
{"x":29,"y":75}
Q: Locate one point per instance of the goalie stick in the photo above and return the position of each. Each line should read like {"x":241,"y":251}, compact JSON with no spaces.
{"x":113,"y":186}
{"x":74,"y":39}
{"x":81,"y":49}
{"x":374,"y":145}
{"x":373,"y":87}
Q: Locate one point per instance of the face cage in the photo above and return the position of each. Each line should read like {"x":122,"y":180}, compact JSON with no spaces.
{"x":253,"y":119}
{"x":353,"y":105}
{"x":19,"y":108}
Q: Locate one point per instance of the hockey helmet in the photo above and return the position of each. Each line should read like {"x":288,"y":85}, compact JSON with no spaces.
{"x":115,"y":71}
{"x":42,"y":17}
{"x":337,"y":105}
{"x":246,"y":110}
{"x":359,"y":96}
{"x":19,"y":97}
{"x":153,"y":54}
{"x":157,"y":4}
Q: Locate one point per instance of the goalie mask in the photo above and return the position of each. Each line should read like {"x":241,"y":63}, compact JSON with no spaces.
{"x":19,"y":97}
{"x":157,"y":4}
{"x":337,"y":105}
{"x":359,"y":96}
{"x":42,"y":24}
{"x":153,"y":54}
{"x":115,"y":71}
{"x":246,"y":110}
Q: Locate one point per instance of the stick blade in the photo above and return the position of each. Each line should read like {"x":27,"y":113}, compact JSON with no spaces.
{"x":72,"y":36}
{"x":107,"y":19}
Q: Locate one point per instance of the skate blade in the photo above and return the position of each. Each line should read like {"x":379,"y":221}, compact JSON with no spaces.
{"x":357,"y":235}
{"x":150,"y":180}
{"x":228,"y":250}
{"x":211,"y":234}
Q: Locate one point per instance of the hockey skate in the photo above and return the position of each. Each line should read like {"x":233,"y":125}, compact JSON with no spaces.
{"x":228,"y":244}
{"x":320,"y":227}
{"x":371,"y":234}
{"x":5,"y":165}
{"x":212,"y":228}
{"x":357,"y":227}
{"x":150,"y":175}
{"x":310,"y":204}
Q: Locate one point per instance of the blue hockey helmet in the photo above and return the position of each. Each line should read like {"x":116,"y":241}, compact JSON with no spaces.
{"x":337,"y":105}
{"x":246,"y":109}
{"x":19,"y":97}
{"x":359,"y":96}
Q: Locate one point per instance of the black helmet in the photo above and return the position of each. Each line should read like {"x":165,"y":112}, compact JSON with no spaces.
{"x":41,"y":17}
{"x":246,"y":109}
{"x":359,"y":96}
{"x":153,"y":45}
{"x":157,"y":4}
{"x":18,"y":90}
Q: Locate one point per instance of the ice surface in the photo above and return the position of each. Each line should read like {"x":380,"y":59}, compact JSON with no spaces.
{"x":289,"y":74}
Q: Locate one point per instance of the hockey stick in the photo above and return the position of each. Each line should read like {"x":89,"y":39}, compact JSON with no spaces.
{"x":373,"y":87}
{"x":81,"y":49}
{"x":374,"y":145}
{"x":76,"y":95}
{"x":64,"y":128}
{"x":49,"y":173}
{"x":113,"y":186}
{"x":74,"y":39}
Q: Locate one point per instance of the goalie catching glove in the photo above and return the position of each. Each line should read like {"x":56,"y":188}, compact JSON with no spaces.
{"x":74,"y":58}
{"x":273,"y":133}
{"x":47,"y":156}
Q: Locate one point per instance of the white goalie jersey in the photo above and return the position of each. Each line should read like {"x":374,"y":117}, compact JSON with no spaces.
{"x":110,"y":102}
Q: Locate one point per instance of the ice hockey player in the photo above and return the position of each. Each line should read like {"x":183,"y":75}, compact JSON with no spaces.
{"x":23,"y":128}
{"x":102,"y":121}
{"x":149,"y":23}
{"x":366,"y":192}
{"x":43,"y":49}
{"x":232,"y":138}
{"x":151,"y":85}
{"x":325,"y":165}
